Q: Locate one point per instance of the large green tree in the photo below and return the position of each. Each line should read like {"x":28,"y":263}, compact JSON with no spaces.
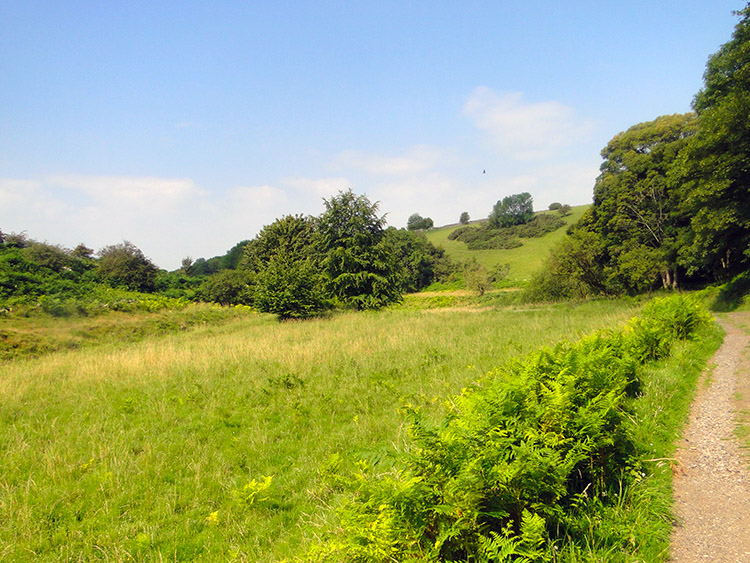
{"x":636,"y":209}
{"x":716,"y":165}
{"x":418,"y":261}
{"x":359,"y":270}
{"x":515,"y":209}
{"x":290,"y":288}
{"x":291,"y":236}
{"x":418,"y":223}
{"x":630,"y":238}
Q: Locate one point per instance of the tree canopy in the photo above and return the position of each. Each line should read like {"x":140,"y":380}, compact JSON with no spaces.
{"x":125,"y":265}
{"x":512,"y":210}
{"x":716,"y":166}
{"x":418,"y":223}
{"x":637,"y":208}
{"x":359,"y":270}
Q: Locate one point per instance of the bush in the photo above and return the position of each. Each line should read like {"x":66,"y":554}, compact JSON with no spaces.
{"x":124,"y":265}
{"x":487,"y":237}
{"x":290,"y":289}
{"x":228,"y":287}
{"x":664,"y":321}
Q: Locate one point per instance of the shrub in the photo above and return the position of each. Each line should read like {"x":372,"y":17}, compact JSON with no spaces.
{"x":290,"y":289}
{"x":124,"y":265}
{"x":665,"y":320}
{"x":487,"y":236}
{"x":228,"y":287}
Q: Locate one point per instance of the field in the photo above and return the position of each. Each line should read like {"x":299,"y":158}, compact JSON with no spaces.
{"x":208,"y":444}
{"x":523,"y":261}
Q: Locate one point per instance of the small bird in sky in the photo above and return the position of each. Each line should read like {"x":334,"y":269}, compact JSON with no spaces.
{"x":484,"y":172}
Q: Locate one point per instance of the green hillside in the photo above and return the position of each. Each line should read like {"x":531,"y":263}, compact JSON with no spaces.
{"x":524,"y":260}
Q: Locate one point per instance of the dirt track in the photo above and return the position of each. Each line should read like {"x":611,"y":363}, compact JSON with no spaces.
{"x":712,"y":481}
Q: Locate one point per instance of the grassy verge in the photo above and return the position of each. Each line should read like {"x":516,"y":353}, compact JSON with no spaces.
{"x":637,"y":527}
{"x":742,"y":396}
{"x":161,"y":450}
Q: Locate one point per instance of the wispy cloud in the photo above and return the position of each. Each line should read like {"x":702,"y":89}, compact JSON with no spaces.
{"x":416,"y":159}
{"x":145,"y":193}
{"x":256,"y":197}
{"x":524,"y":130}
{"x":309,"y":190}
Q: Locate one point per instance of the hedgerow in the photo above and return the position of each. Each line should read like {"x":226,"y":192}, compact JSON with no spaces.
{"x":511,"y":471}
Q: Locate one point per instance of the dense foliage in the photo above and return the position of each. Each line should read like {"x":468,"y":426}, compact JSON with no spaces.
{"x":296,"y":267}
{"x":124,"y":265}
{"x":512,"y":210}
{"x":632,"y":234}
{"x":519,"y":460}
{"x":716,"y":168}
{"x":41,"y":277}
{"x":486,"y":236}
{"x":359,"y":271}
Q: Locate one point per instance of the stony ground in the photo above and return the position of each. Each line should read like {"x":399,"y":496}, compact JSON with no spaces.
{"x":712,"y":480}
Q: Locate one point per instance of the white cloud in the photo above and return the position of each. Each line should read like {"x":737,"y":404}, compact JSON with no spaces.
{"x":524,"y":130}
{"x":571,"y":183}
{"x":413,"y":160}
{"x":307,"y":190}
{"x":256,"y":197}
{"x":144,"y":194}
{"x":26,"y":198}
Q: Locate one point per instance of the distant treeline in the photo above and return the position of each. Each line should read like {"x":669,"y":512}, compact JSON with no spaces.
{"x":297,"y":266}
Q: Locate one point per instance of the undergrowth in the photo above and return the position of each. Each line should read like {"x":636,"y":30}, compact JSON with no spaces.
{"x":561,"y":456}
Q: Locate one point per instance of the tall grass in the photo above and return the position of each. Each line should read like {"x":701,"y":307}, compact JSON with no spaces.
{"x":162,"y":450}
{"x":39,"y":334}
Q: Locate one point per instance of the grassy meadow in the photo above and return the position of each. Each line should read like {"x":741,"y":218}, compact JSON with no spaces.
{"x":523,"y":261}
{"x":208,"y":444}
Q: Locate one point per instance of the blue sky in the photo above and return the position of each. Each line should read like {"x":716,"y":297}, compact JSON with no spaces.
{"x":184,"y":127}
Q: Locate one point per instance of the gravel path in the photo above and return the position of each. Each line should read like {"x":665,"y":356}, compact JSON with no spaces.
{"x":711,"y":482}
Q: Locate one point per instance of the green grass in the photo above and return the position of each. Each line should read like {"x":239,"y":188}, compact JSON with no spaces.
{"x":150,"y":450}
{"x":524,"y":260}
{"x":39,"y":334}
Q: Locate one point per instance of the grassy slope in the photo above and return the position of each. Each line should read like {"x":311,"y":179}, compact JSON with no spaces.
{"x":524,"y":260}
{"x":144,"y":451}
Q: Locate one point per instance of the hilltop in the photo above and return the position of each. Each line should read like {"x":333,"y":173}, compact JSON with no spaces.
{"x":523,"y":261}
